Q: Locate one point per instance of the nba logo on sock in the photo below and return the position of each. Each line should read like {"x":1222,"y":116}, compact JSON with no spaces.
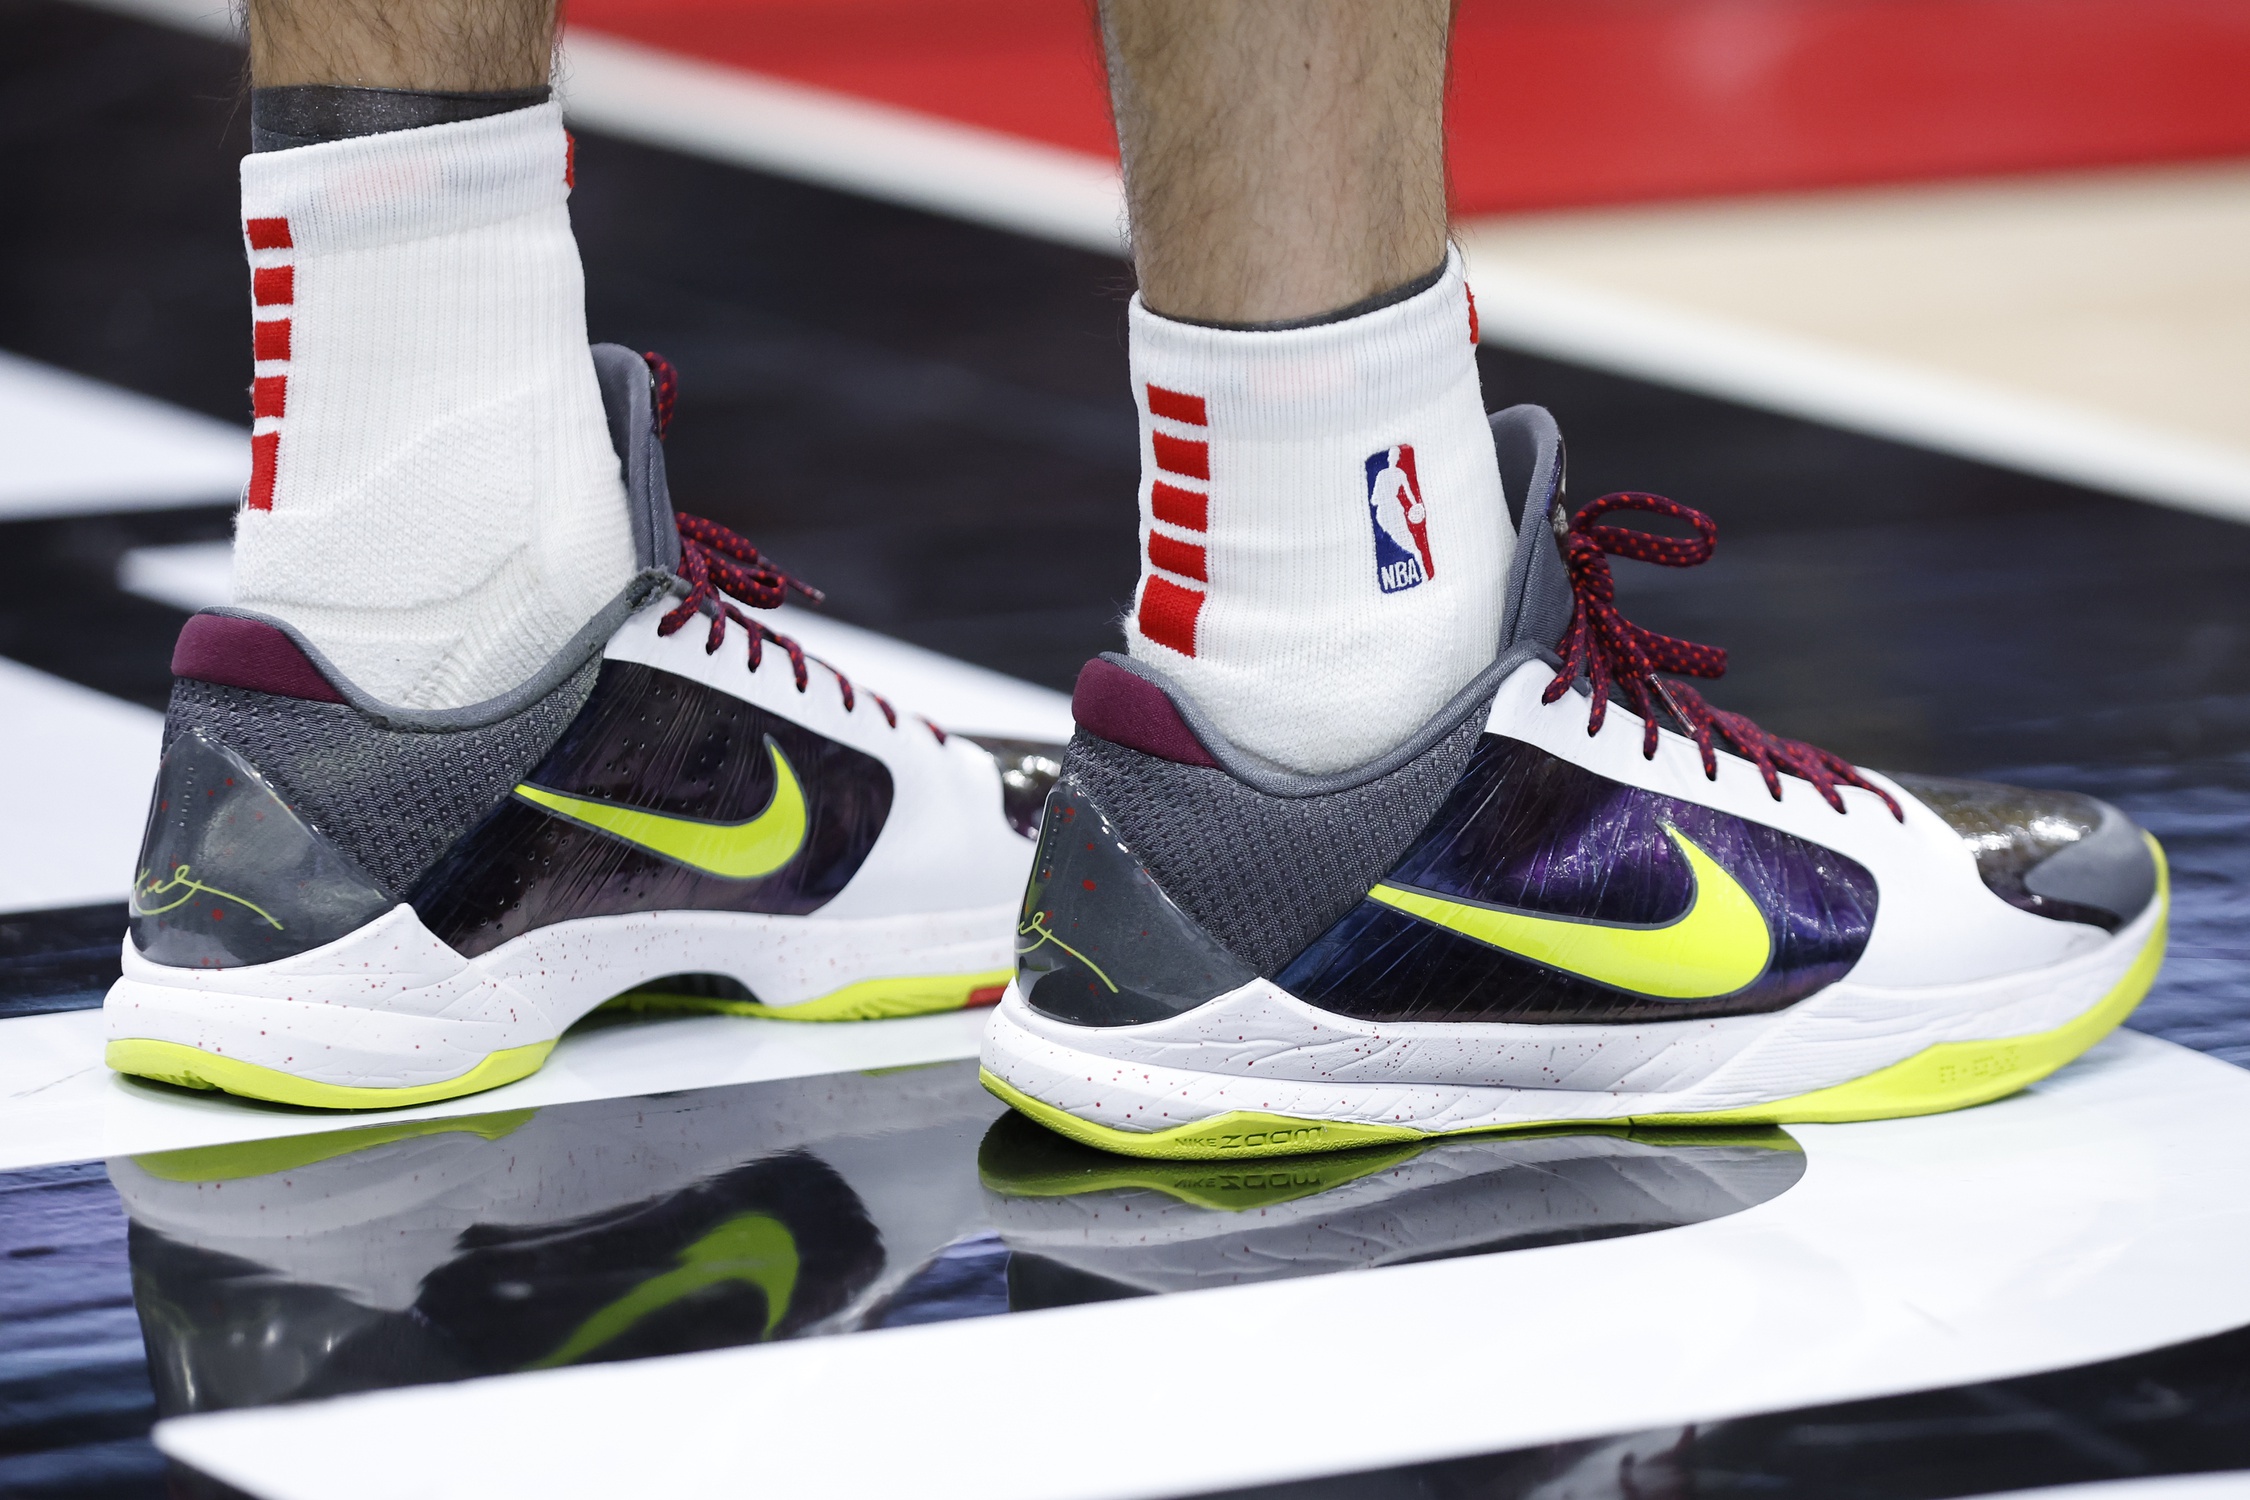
{"x":1401,"y":521}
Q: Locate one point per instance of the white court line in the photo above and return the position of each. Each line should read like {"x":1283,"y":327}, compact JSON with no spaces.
{"x":2099,"y":1214}
{"x":1071,"y":198}
{"x":956,"y":694}
{"x":185,"y":575}
{"x":69,"y":445}
{"x":75,"y":772}
{"x":58,"y":1103}
{"x":212,"y":18}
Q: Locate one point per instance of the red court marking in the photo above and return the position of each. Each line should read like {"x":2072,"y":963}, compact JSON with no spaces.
{"x":1174,"y":506}
{"x":262,"y":456}
{"x":1177,"y":406}
{"x":273,"y":286}
{"x":1168,"y":612}
{"x":1558,"y":102}
{"x":269,"y":339}
{"x":267,"y":234}
{"x":1179,"y":456}
{"x":1175,"y":556}
{"x":1587,"y":101}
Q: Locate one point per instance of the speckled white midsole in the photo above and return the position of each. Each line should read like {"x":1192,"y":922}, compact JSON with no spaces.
{"x":391,"y":1006}
{"x":1260,"y":1049}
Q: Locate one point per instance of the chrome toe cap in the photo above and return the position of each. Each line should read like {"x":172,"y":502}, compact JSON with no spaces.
{"x":2062,"y":855}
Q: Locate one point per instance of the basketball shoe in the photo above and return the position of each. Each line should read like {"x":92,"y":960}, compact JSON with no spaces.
{"x":343,"y":903}
{"x":1577,"y":894}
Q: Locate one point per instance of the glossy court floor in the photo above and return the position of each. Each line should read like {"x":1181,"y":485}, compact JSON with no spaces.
{"x":930,"y":420}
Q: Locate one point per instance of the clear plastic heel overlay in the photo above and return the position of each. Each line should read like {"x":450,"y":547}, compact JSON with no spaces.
{"x":231,"y":875}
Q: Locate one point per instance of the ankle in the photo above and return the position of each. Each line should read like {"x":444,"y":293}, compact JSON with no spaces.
{"x":435,"y":500}
{"x":1324,"y":541}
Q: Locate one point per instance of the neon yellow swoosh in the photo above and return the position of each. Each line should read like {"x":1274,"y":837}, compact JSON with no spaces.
{"x":752,"y":1248}
{"x":1718,"y":945}
{"x":732,"y":851}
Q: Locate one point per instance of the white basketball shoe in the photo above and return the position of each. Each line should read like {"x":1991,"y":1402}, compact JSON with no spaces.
{"x":341,"y":903}
{"x":1577,"y":894}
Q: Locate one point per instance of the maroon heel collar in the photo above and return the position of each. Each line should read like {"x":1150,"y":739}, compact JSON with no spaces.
{"x":249,"y":654}
{"x":1134,"y":712}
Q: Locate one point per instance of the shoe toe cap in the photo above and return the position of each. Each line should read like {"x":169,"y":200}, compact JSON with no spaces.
{"x":2061,"y":855}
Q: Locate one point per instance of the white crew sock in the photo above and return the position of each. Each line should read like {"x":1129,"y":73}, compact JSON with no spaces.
{"x":434,"y":501}
{"x":1283,"y":583}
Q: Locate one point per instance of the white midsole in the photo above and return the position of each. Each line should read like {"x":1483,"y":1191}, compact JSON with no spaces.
{"x":390,"y":1006}
{"x":1259,"y":1048}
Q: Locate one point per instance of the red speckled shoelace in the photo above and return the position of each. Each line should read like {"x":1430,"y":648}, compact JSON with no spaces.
{"x":721,"y":567}
{"x":1615,"y":655}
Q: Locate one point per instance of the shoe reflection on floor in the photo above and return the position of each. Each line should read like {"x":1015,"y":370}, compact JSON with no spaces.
{"x":434,"y":1250}
{"x":1085,"y":1223}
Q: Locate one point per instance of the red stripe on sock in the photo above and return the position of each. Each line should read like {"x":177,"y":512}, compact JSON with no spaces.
{"x":1168,"y":613}
{"x":1176,"y":405}
{"x":269,"y":234}
{"x":1179,"y":456}
{"x":262,"y":456}
{"x":269,"y":339}
{"x":273,"y":286}
{"x":1472,"y":311}
{"x":1189,"y":510}
{"x":570,"y":161}
{"x":1175,"y":556}
{"x":269,"y":394}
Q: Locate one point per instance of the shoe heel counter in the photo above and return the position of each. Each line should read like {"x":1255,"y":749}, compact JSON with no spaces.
{"x":229,"y":874}
{"x":389,"y":790}
{"x":1099,"y":942}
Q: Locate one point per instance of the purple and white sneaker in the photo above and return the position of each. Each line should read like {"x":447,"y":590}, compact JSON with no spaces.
{"x":1577,"y":894}
{"x":347,"y":904}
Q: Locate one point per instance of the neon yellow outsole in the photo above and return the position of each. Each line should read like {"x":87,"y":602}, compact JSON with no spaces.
{"x":1201,"y":1186}
{"x":292,"y":1153}
{"x":868,"y":1000}
{"x":1303,"y":1174}
{"x":191,"y":1067}
{"x":1946,"y":1076}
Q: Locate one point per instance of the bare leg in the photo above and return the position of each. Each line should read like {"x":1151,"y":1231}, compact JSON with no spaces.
{"x":1283,"y":158}
{"x":402,"y":44}
{"x":1324,"y":542}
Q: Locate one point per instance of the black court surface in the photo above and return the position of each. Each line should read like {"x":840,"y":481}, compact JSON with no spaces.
{"x":636,"y":1273}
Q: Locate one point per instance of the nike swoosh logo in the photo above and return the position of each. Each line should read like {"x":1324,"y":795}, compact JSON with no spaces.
{"x":732,"y":851}
{"x":754,"y":1248}
{"x":1718,"y":945}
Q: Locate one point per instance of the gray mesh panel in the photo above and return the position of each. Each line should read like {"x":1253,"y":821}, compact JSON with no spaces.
{"x":392,"y":800}
{"x":1264,"y":875}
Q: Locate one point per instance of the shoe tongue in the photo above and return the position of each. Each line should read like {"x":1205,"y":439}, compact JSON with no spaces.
{"x":1532,"y":466}
{"x":631,"y":409}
